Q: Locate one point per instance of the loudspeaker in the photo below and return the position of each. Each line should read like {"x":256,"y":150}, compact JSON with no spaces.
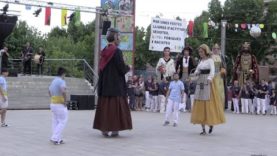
{"x":84,"y":102}
{"x":106,"y":26}
{"x":72,"y":105}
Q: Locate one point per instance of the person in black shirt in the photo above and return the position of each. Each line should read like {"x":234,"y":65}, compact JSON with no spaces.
{"x":5,"y":57}
{"x":235,"y":94}
{"x":39,"y":60}
{"x":244,"y":97}
{"x":261,"y":102}
{"x":147,"y":85}
{"x":251,"y":89}
{"x":153,"y":91}
{"x":163,"y":88}
{"x":131,"y":92}
{"x":191,"y":91}
{"x":273,"y":103}
{"x":26,"y":55}
{"x":139,"y":92}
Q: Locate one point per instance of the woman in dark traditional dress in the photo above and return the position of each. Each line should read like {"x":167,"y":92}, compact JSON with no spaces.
{"x":112,"y":112}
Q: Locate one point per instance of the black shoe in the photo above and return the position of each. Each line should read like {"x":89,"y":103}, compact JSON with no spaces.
{"x":57,"y":142}
{"x":203,"y":132}
{"x":114,"y":134}
{"x":211,"y":129}
{"x":4,"y":125}
{"x":105,"y":134}
{"x":166,"y":123}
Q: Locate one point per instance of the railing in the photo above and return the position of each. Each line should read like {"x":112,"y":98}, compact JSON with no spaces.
{"x":79,"y":68}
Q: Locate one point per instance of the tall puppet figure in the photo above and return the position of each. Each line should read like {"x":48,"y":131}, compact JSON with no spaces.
{"x":112,"y":113}
{"x":220,"y":72}
{"x":246,"y":65}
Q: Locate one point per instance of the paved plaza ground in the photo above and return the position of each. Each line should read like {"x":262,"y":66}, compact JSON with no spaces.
{"x":241,"y":135}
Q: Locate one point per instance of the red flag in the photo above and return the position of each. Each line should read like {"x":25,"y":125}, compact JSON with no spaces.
{"x":47,"y":15}
{"x":190,"y":28}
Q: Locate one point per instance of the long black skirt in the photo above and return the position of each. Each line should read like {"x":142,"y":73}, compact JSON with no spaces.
{"x":112,"y":114}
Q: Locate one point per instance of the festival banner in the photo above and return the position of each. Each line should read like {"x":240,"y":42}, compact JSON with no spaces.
{"x":167,"y":33}
{"x":118,"y":5}
{"x":126,"y":41}
{"x":123,"y":23}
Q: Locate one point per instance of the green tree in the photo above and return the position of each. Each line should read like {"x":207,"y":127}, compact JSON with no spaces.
{"x":22,"y":33}
{"x":143,"y":55}
{"x":215,"y":11}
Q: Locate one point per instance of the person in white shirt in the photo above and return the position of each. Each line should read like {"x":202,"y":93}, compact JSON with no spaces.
{"x":173,"y":99}
{"x":3,"y":96}
{"x":165,"y":66}
{"x":57,"y":92}
{"x":207,"y":108}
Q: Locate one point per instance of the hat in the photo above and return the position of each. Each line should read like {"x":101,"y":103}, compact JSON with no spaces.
{"x":206,"y":49}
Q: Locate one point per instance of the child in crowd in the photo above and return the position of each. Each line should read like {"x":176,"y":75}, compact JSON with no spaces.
{"x":154,"y":105}
{"x":261,"y":102}
{"x":235,"y":94}
{"x":139,"y":92}
{"x":244,"y":97}
{"x":163,"y":88}
{"x":131,"y":92}
{"x":251,"y":90}
{"x":191,"y":91}
{"x":273,"y":103}
{"x":173,"y":98}
{"x":147,"y":86}
{"x":3,"y":96}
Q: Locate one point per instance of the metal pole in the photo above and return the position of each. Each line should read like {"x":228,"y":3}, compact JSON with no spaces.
{"x":223,"y":49}
{"x":223,"y":37}
{"x":96,"y":50}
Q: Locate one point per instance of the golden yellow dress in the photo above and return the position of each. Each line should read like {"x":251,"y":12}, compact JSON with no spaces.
{"x":211,"y":111}
{"x":219,"y":83}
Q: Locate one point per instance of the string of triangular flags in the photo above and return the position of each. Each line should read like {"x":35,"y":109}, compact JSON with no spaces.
{"x":75,"y":16}
{"x":254,"y":29}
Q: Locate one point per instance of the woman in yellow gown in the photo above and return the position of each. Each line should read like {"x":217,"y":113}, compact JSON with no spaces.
{"x":207,"y":108}
{"x":220,"y":71}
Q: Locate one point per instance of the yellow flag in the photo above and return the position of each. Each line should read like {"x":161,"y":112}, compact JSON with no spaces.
{"x":64,"y":17}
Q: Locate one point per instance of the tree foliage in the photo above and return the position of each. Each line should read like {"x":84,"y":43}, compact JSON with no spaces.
{"x":237,"y":12}
{"x":78,"y":41}
{"x":142,"y":54}
{"x":75,"y":42}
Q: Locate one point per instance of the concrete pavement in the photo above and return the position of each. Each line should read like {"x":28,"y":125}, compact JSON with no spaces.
{"x":241,"y":135}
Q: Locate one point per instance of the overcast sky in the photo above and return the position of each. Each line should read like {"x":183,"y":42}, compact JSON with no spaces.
{"x":145,"y":9}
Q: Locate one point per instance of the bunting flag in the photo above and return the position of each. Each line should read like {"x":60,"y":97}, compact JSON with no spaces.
{"x":64,"y":17}
{"x":47,"y":16}
{"x":261,"y":26}
{"x":77,"y":17}
{"x":190,"y":28}
{"x":205,"y":30}
{"x":243,"y":26}
{"x":274,"y":36}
